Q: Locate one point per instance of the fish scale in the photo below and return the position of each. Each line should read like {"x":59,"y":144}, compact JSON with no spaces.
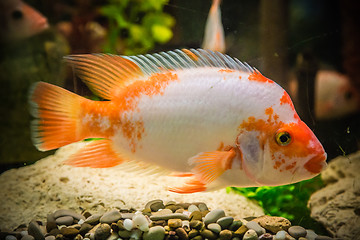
{"x":197,"y":113}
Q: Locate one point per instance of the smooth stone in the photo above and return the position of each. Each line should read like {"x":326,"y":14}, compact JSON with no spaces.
{"x":302,"y":238}
{"x":162,"y":212}
{"x":113,"y":236}
{"x":54,"y":232}
{"x":256,"y":227}
{"x":213,"y":216}
{"x":193,"y":233}
{"x":110,"y":217}
{"x":216,"y":228}
{"x":85,"y":227}
{"x":27,"y":237}
{"x":10,"y":237}
{"x":241,"y":231}
{"x":202,"y":207}
{"x":154,"y":233}
{"x":297,"y":231}
{"x":174,"y":223}
{"x":193,"y":208}
{"x":93,"y":219}
{"x":35,"y":231}
{"x":174,"y":207}
{"x":250,"y":235}
{"x":124,"y":233}
{"x":181,"y":233}
{"x":169,"y":216}
{"x":235,"y":225}
{"x":90,"y":236}
{"x":69,"y":232}
{"x":67,"y":212}
{"x":50,"y":222}
{"x":65,"y":220}
{"x":128,"y":224}
{"x":273,"y":224}
{"x":266,"y":236}
{"x":289,"y":237}
{"x":136,"y":234}
{"x":50,"y":237}
{"x":199,"y":237}
{"x":196,"y":224}
{"x":208,"y":234}
{"x":310,"y":235}
{"x":102,"y":232}
{"x":141,"y":222}
{"x":225,"y":235}
{"x":127,"y":215}
{"x":225,"y":222}
{"x":185,"y":225}
{"x":319,"y":237}
{"x":155,"y":205}
{"x":280,"y":235}
{"x":196,"y":215}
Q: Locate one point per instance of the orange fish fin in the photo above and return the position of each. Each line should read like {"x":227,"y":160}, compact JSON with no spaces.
{"x":191,"y":186}
{"x":105,"y":74}
{"x":57,"y":111}
{"x":96,"y":154}
{"x":210,"y":165}
{"x":181,"y":174}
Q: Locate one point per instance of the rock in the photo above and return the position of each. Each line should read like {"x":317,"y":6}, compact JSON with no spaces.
{"x":93,"y":219}
{"x":273,"y":224}
{"x":340,"y":196}
{"x":216,"y":228}
{"x":113,"y":236}
{"x":256,"y":227}
{"x":297,"y":231}
{"x":65,"y":220}
{"x":266,"y":236}
{"x":141,"y":222}
{"x":174,"y":207}
{"x":193,"y":208}
{"x":196,"y":224}
{"x":67,"y":212}
{"x":208,"y":234}
{"x":193,"y":233}
{"x":127,"y":215}
{"x":50,"y":222}
{"x":111,"y":216}
{"x":10,"y":237}
{"x":186,"y":225}
{"x":202,"y":207}
{"x":241,"y":231}
{"x":250,"y":235}
{"x":169,"y":216}
{"x":196,"y":215}
{"x":280,"y":235}
{"x":128,"y":224}
{"x":155,"y":205}
{"x":325,"y":238}
{"x":124,"y":233}
{"x":102,"y":232}
{"x":235,"y":225}
{"x":35,"y":231}
{"x":310,"y":235}
{"x":154,"y":233}
{"x":174,"y":223}
{"x":181,"y":233}
{"x":225,"y":222}
{"x":225,"y":235}
{"x":136,"y":234}
{"x":213,"y":216}
{"x":85,"y":227}
{"x":50,"y":237}
{"x":27,"y":237}
{"x":69,"y":232}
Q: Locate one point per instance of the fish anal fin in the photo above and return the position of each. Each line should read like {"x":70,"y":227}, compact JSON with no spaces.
{"x":96,"y":154}
{"x":181,"y":174}
{"x":210,"y":165}
{"x":191,"y":186}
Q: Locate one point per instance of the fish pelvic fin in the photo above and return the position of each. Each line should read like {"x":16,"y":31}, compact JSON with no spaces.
{"x":191,"y":186}
{"x":57,"y":112}
{"x":96,"y":154}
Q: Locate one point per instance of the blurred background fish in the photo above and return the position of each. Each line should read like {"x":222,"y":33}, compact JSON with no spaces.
{"x":18,"y":20}
{"x":214,"y":38}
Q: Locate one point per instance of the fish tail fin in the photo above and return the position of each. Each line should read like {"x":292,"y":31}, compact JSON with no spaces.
{"x":57,"y":112}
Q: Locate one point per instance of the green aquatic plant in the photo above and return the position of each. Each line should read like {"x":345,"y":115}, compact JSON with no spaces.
{"x":135,"y":26}
{"x":288,"y":201}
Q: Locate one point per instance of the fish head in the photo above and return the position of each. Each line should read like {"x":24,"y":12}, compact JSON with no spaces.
{"x":278,"y":153}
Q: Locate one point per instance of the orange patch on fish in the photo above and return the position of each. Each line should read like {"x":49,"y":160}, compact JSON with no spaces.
{"x":226,"y":70}
{"x":257,"y":76}
{"x":190,"y":54}
{"x":285,"y":99}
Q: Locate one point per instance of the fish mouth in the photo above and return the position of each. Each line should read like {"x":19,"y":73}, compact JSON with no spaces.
{"x":316,"y":164}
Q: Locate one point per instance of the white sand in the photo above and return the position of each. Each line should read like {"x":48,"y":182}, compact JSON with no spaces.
{"x":33,"y":191}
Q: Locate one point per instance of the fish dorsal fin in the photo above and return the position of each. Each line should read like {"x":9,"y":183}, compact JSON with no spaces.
{"x":105,"y":74}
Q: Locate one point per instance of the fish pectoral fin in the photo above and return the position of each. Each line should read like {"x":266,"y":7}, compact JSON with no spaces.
{"x":191,"y":186}
{"x":210,"y":165}
{"x":96,"y":154}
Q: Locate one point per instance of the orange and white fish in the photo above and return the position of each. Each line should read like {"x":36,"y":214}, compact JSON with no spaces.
{"x":214,"y":38}
{"x":19,"y":20}
{"x":200,"y":114}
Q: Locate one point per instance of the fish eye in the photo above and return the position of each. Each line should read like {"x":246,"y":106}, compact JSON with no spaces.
{"x":17,"y":14}
{"x":283,"y":138}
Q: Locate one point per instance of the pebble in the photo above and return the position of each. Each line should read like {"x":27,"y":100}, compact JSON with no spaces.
{"x":127,"y":215}
{"x":193,"y":233}
{"x":50,"y":237}
{"x":181,"y":233}
{"x":85,"y":227}
{"x":111,"y":216}
{"x":67,"y":212}
{"x":280,"y":235}
{"x":10,"y":237}
{"x":93,"y":219}
{"x":225,"y":222}
{"x":196,"y":215}
{"x":113,"y":236}
{"x":241,"y":231}
{"x":136,"y":234}
{"x":273,"y":224}
{"x":256,"y":227}
{"x":250,"y":235}
{"x":208,"y":234}
{"x":155,"y":205}
{"x":266,"y":236}
{"x":213,"y":216}
{"x":297,"y":231}
{"x":69,"y":232}
{"x":193,"y":208}
{"x":196,"y":224}
{"x":27,"y":237}
{"x":65,"y":220}
{"x":310,"y":235}
{"x":155,"y":233}
{"x":140,"y":222}
{"x":169,"y":216}
{"x":216,"y":228}
{"x":50,"y":222}
{"x":186,"y":225}
{"x":35,"y":231}
{"x":102,"y":232}
{"x":319,"y":237}
{"x":202,"y":207}
{"x":174,"y":223}
{"x":225,"y":235}
{"x":124,"y":233}
{"x":128,"y":224}
{"x":235,"y":225}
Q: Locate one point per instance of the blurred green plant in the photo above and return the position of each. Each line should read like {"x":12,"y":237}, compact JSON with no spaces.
{"x":135,"y":26}
{"x":288,"y":201}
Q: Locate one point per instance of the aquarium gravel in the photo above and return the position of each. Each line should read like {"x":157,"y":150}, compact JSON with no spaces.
{"x":156,"y":221}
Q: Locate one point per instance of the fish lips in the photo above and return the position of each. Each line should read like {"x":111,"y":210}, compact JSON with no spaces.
{"x":316,"y":164}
